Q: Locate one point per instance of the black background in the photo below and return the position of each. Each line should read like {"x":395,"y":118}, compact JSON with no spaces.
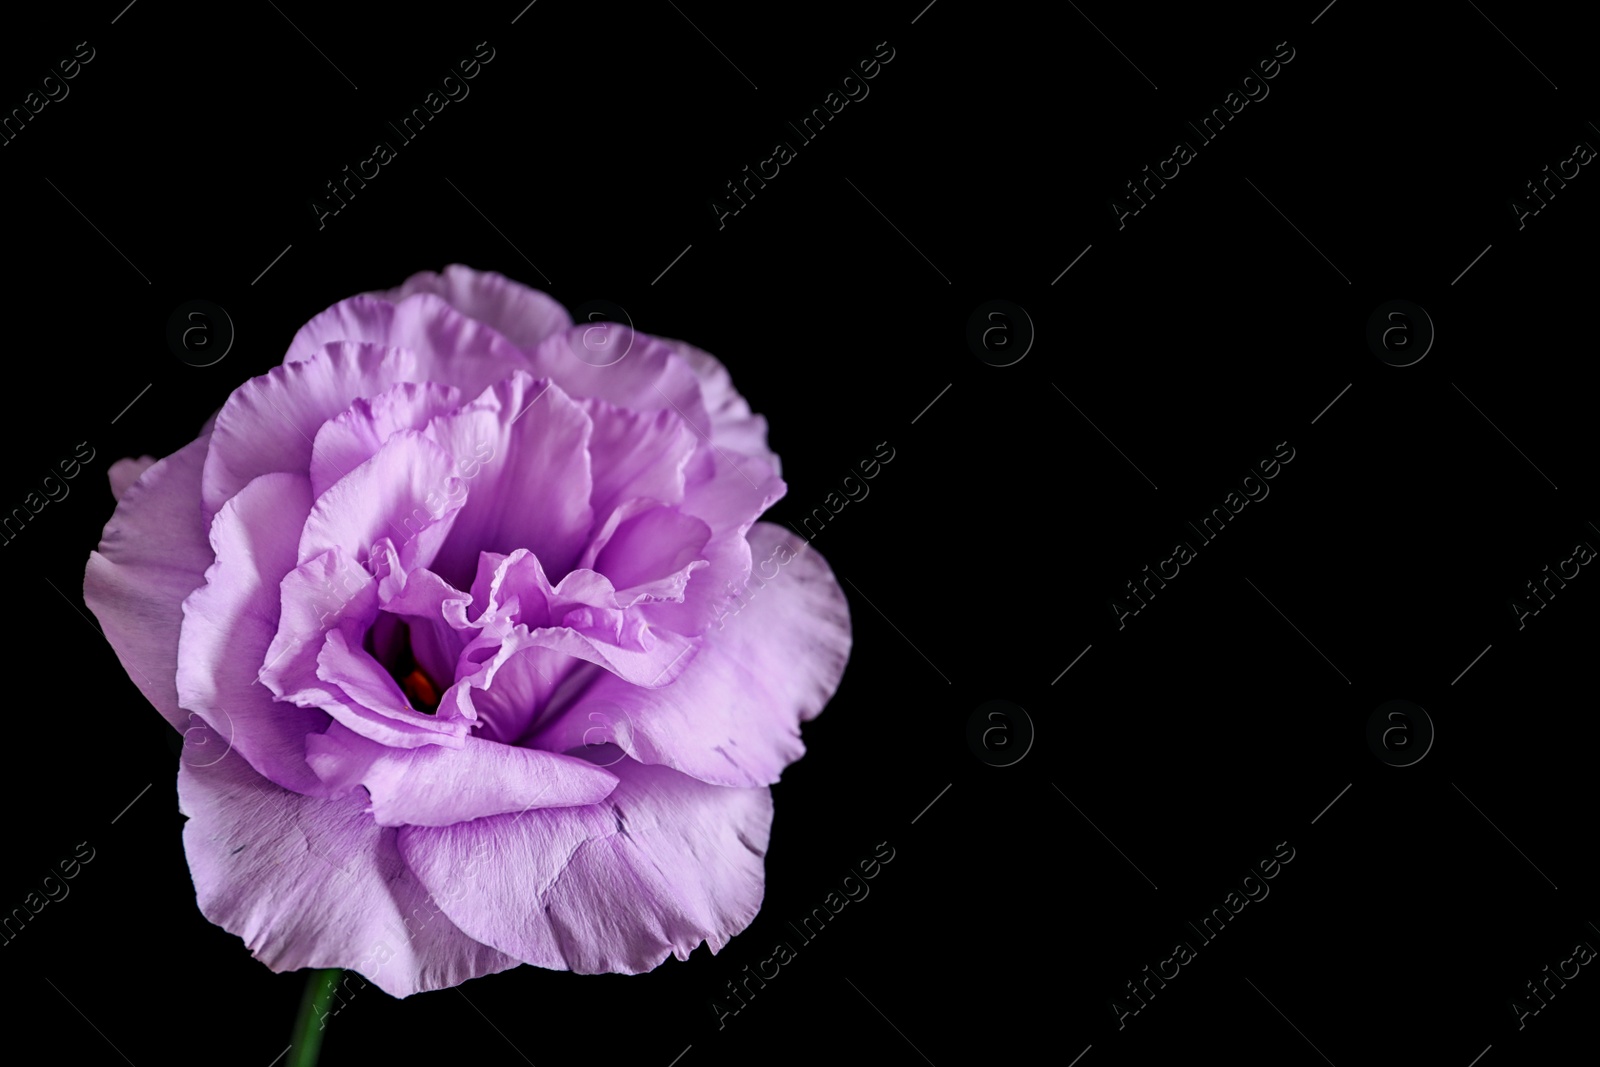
{"x":1175,"y":753}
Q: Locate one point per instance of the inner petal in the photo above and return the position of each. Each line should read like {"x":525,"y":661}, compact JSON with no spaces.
{"x":357,"y":434}
{"x":522,"y":450}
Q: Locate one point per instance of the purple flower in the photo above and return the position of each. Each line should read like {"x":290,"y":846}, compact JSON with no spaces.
{"x":480,"y":653}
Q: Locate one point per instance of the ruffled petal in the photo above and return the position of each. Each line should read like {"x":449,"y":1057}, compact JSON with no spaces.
{"x":732,"y":717}
{"x":736,"y":492}
{"x":317,"y":596}
{"x":424,"y":603}
{"x":374,"y":705}
{"x":733,"y":426}
{"x":637,"y":455}
{"x":316,"y":658}
{"x":125,"y":472}
{"x":409,"y":493}
{"x":152,"y":554}
{"x":521,"y":315}
{"x":531,"y":488}
{"x":506,"y":691}
{"x":651,"y":377}
{"x":356,"y":434}
{"x":446,"y":342}
{"x":655,"y":551}
{"x":582,"y":617}
{"x":436,"y":786}
{"x":310,"y":882}
{"x":270,"y":422}
{"x":230,"y":622}
{"x":660,"y":866}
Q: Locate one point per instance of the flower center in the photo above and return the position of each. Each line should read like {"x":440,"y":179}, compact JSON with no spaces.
{"x":397,"y":658}
{"x":418,"y":688}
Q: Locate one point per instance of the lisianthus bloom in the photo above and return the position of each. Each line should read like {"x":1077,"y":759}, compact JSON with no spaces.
{"x":479,"y":651}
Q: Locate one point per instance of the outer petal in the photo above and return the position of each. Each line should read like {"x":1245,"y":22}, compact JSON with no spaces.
{"x":229,"y":624}
{"x":124,"y":472}
{"x":269,"y":423}
{"x":662,"y":864}
{"x":737,"y":491}
{"x":651,"y":377}
{"x":442,"y":338}
{"x":733,"y":426}
{"x":152,"y":554}
{"x":308,"y":882}
{"x":733,"y":716}
{"x":636,"y":454}
{"x":523,"y":316}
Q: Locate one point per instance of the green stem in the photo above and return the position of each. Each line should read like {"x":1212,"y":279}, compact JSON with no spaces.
{"x":308,"y":1024}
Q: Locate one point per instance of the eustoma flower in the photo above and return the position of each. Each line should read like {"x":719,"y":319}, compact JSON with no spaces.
{"x":481,"y":654}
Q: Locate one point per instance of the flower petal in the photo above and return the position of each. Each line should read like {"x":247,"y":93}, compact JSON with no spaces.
{"x":310,"y":882}
{"x":270,"y":422}
{"x":408,"y":492}
{"x":654,"y":550}
{"x":531,"y":488}
{"x":376,"y":706}
{"x":424,"y":603}
{"x":315,"y":597}
{"x":581,"y":617}
{"x":435,"y":786}
{"x":152,"y":554}
{"x":636,"y":454}
{"x":732,"y":717}
{"x":662,"y":864}
{"x":443,"y":339}
{"x":507,"y":690}
{"x":521,"y":315}
{"x":738,"y":490}
{"x":356,"y":434}
{"x":124,"y":472}
{"x":650,"y":377}
{"x":230,"y":622}
{"x":328,"y":604}
{"x":733,"y":426}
